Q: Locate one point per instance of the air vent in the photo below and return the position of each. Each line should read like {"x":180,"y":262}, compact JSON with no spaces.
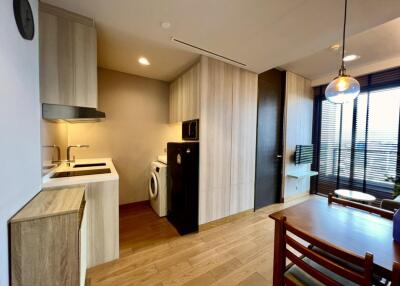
{"x":207,"y":51}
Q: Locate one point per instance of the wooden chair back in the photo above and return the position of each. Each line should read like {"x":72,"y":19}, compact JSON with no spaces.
{"x":396,"y":274}
{"x":365,"y":264}
{"x":378,"y":211}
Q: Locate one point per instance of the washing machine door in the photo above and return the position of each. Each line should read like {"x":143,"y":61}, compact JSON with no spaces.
{"x":153,"y":186}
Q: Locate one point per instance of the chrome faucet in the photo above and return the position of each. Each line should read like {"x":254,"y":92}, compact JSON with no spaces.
{"x":69,"y":161}
{"x":54,"y":146}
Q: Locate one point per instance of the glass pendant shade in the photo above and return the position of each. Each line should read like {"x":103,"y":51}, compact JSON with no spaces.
{"x":342,"y":89}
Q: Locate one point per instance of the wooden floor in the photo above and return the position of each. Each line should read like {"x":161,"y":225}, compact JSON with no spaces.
{"x":140,"y":227}
{"x":237,"y":252}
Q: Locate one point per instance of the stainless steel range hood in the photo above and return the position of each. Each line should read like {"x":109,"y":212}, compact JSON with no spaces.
{"x":72,"y":114}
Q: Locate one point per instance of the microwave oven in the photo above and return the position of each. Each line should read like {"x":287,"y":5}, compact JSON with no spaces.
{"x":190,"y":130}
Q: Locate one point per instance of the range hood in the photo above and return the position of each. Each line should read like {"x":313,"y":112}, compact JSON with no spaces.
{"x":68,"y":113}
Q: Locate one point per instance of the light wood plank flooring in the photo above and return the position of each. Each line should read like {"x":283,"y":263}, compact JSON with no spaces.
{"x":235,"y":252}
{"x":140,"y":227}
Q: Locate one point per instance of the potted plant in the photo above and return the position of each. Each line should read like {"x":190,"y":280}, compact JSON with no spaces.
{"x":396,"y":189}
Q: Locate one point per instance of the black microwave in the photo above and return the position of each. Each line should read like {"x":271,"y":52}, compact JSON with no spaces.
{"x":190,"y":130}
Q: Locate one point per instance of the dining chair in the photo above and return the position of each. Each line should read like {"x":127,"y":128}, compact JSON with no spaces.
{"x":378,"y":211}
{"x":308,"y":267}
{"x":396,"y":274}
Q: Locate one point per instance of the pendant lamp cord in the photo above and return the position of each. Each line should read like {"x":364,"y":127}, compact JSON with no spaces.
{"x":342,"y":68}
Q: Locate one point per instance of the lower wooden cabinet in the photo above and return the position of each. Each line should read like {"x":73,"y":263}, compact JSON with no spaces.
{"x":45,"y":239}
{"x":83,"y":249}
{"x":62,"y":232}
{"x":102,"y":206}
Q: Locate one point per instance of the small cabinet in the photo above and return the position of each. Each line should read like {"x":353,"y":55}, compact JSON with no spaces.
{"x":185,"y":96}
{"x":45,"y":239}
{"x":68,"y":58}
{"x":102,"y":205}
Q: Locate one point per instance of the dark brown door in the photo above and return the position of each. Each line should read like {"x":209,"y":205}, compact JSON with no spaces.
{"x":271,"y":86}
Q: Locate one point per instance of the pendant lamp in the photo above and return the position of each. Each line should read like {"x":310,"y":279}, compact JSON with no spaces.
{"x":343,"y":88}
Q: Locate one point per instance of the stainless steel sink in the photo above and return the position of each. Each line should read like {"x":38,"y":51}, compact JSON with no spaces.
{"x":89,"y":165}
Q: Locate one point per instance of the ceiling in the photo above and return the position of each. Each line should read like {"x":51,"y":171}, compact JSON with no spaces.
{"x":260,"y":33}
{"x":380,"y":44}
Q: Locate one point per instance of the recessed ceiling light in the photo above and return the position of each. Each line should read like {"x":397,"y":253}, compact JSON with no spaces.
{"x":144,"y":61}
{"x":165,"y":25}
{"x":350,"y":58}
{"x":335,"y":47}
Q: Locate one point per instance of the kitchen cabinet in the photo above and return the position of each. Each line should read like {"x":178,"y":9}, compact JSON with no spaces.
{"x":68,"y":58}
{"x":102,"y":206}
{"x":45,"y":239}
{"x":83,"y":249}
{"x":175,"y":109}
{"x":228,"y":117}
{"x":185,"y":96}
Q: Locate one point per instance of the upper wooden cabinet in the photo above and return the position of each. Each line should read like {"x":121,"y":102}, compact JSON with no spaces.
{"x":184,"y":101}
{"x":68,"y":58}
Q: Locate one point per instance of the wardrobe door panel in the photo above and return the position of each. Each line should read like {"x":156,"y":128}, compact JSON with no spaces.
{"x":215,"y":139}
{"x":244,"y":122}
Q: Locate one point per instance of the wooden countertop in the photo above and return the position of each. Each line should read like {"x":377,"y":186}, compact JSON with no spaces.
{"x":50,"y":202}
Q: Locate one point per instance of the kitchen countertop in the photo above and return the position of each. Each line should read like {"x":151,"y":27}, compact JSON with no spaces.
{"x":50,"y":202}
{"x":48,"y":182}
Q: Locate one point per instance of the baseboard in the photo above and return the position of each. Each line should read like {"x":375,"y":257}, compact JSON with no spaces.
{"x":296,"y":196}
{"x":225,"y":220}
{"x":135,"y":204}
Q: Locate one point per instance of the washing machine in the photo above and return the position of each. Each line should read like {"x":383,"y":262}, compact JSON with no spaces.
{"x":158,"y":188}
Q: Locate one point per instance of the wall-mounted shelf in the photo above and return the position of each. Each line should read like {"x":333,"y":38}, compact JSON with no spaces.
{"x":302,"y":174}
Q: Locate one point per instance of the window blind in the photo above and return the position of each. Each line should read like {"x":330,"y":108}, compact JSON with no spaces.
{"x":357,"y":143}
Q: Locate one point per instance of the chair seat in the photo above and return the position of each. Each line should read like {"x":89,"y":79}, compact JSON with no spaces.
{"x":300,"y":277}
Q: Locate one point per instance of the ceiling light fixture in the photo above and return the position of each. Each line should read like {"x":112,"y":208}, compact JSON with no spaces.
{"x":335,"y":47}
{"x":165,"y":25}
{"x":351,"y":57}
{"x":144,"y":61}
{"x":343,"y":88}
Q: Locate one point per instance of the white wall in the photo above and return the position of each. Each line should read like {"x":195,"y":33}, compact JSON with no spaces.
{"x":297,"y":131}
{"x":19,"y":123}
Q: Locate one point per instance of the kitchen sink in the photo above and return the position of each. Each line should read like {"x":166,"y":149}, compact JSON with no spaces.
{"x":89,"y":165}
{"x":80,"y":173}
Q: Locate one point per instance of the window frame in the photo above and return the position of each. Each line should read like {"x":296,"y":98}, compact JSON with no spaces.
{"x":373,"y":82}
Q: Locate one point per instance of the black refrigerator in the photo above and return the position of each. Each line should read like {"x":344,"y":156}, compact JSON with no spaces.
{"x":183,"y":186}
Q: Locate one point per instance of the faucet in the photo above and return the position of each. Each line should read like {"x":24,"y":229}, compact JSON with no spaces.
{"x":54,"y":146}
{"x":69,"y":161}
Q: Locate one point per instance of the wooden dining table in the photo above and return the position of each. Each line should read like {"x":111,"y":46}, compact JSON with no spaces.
{"x":348,"y":228}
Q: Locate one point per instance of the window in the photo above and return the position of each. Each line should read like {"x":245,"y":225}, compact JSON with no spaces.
{"x":357,"y":143}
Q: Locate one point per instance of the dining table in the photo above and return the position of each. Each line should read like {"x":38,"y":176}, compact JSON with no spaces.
{"x":349,"y":228}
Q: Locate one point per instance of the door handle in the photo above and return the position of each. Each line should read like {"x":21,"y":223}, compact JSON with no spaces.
{"x":279,"y":156}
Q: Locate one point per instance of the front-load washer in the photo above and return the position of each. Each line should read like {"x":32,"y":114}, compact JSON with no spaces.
{"x":158,"y":188}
